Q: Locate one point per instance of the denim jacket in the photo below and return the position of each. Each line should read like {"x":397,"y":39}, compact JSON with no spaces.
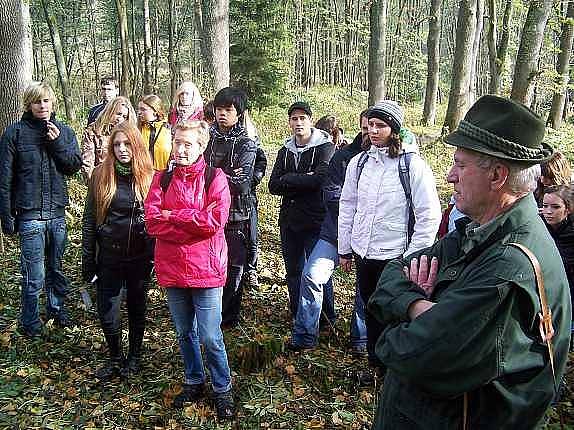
{"x":481,"y":337}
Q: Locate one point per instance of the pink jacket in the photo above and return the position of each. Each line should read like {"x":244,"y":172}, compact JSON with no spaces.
{"x":190,"y":249}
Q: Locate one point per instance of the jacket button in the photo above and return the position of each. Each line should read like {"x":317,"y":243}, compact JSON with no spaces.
{"x":452,"y":272}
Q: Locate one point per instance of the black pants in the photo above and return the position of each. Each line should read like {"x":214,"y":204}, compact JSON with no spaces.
{"x":368,"y":274}
{"x":109,"y":284}
{"x":236,"y":236}
{"x":252,"y":243}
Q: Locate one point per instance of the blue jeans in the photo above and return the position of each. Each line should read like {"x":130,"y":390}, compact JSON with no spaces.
{"x":42,"y":245}
{"x":296,"y":247}
{"x":358,"y":325}
{"x":316,"y":288}
{"x":193,"y":311}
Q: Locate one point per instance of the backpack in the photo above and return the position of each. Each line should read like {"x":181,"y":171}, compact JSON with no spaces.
{"x":404,"y":176}
{"x":167,"y":175}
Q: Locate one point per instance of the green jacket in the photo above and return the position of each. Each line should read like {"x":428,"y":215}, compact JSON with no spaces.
{"x":481,"y":337}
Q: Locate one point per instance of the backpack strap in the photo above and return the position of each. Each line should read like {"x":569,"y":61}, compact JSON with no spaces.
{"x":208,"y":175}
{"x":545,"y":315}
{"x":363,"y":158}
{"x":405,"y":177}
{"x":167,"y":175}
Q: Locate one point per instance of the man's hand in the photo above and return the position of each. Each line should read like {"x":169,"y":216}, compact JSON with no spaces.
{"x":53,"y":132}
{"x":165,"y":214}
{"x":422,"y":274}
{"x":346,"y":263}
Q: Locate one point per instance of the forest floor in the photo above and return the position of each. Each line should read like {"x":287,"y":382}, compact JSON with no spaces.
{"x":48,"y":383}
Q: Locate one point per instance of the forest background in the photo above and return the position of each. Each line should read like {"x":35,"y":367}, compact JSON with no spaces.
{"x":434,"y":56}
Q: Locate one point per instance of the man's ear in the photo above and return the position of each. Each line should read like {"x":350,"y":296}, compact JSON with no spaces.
{"x":498,"y":176}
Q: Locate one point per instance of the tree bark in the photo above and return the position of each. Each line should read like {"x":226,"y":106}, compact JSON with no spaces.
{"x":377,"y":48}
{"x":15,"y":57}
{"x":562,"y":68}
{"x":60,"y":63}
{"x":147,"y":49}
{"x":462,"y":63}
{"x":433,"y":59}
{"x":526,"y":67}
{"x":475,"y":51}
{"x":171,"y":50}
{"x":125,"y":49}
{"x":212,"y":18}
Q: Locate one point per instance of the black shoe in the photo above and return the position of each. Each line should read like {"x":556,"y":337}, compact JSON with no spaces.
{"x":224,"y":406}
{"x":62,"y":319}
{"x":131,"y":367}
{"x":290,"y":345}
{"x":31,"y":333}
{"x":190,"y":393}
{"x":111,"y":370}
{"x":365,"y":378}
{"x":359,"y":351}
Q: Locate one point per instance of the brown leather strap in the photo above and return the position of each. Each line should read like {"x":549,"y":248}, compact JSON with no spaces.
{"x":546,"y":329}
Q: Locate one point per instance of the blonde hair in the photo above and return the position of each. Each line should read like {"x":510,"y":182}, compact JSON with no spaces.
{"x":103,"y":123}
{"x":156,"y":104}
{"x":104,"y":180}
{"x":200,"y":128}
{"x":197,"y":101}
{"x":557,"y":169}
{"x":37,"y":91}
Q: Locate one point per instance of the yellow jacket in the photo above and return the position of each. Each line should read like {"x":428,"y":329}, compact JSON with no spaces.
{"x":162,"y":145}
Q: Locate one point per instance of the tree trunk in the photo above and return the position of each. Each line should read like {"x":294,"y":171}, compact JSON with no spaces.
{"x":147,"y":49}
{"x":562,"y":68}
{"x":135,"y":56}
{"x":60,"y":63}
{"x":475,"y":51}
{"x":125,"y":49}
{"x":462,"y":63}
{"x":526,"y":67}
{"x":212,"y":18}
{"x":170,"y":50}
{"x":378,"y":23}
{"x":433,"y":59}
{"x":15,"y":57}
{"x":94,"y":44}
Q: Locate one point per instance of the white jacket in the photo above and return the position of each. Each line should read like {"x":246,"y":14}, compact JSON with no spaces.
{"x":373,"y":213}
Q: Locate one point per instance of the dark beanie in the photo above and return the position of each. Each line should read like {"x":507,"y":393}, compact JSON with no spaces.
{"x":388,"y":111}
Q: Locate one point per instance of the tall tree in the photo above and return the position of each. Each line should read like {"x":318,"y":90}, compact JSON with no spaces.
{"x":171,"y":57}
{"x":212,"y":20}
{"x":498,"y":49}
{"x":462,"y":64}
{"x":562,"y":68}
{"x":147,"y":88}
{"x":526,"y":68}
{"x":476,"y":51}
{"x":124,"y":45}
{"x":377,"y":50}
{"x":15,"y":57}
{"x":60,"y":63}
{"x":433,"y":59}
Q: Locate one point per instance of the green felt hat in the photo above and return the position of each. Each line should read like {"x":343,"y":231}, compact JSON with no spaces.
{"x":502,"y":128}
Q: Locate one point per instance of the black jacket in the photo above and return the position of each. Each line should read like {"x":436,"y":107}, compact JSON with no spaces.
{"x":121,"y":239}
{"x":563,"y":235}
{"x":33,"y":171}
{"x":259,"y":168}
{"x":334,"y":185}
{"x":298,"y":177}
{"x":230,"y":152}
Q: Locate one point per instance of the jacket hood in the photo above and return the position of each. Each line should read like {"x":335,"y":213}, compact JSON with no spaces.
{"x":318,"y":137}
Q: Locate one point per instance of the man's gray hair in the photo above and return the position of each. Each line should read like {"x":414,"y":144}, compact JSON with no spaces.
{"x":521,"y":179}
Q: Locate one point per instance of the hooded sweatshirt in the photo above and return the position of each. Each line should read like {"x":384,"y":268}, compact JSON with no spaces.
{"x":298,"y":177}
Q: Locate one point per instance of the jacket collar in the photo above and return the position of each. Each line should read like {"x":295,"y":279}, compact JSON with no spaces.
{"x":34,"y":122}
{"x":192,"y":169}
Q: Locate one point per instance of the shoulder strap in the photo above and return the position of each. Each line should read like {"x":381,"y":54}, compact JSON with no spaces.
{"x":363,"y":158}
{"x":405,"y":177}
{"x":546,"y":329}
{"x":166,"y":176}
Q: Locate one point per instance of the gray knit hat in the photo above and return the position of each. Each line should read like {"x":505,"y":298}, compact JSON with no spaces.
{"x":388,"y":111}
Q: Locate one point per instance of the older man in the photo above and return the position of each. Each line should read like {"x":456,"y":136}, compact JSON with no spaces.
{"x":462,"y":341}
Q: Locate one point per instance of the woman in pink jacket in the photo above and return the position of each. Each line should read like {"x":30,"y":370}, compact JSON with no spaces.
{"x":186,"y":210}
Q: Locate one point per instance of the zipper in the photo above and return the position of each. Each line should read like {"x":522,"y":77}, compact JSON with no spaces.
{"x":130,"y":230}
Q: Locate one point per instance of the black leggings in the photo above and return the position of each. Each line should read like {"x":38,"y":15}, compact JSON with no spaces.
{"x":368,"y":274}
{"x":109,"y":286}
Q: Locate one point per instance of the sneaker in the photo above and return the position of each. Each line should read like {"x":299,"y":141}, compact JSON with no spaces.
{"x":31,"y":333}
{"x":131,"y":367}
{"x":251,"y":279}
{"x":62,"y":319}
{"x":290,"y":345}
{"x":190,"y":393}
{"x":111,"y":370}
{"x":359,"y":351}
{"x":224,"y":406}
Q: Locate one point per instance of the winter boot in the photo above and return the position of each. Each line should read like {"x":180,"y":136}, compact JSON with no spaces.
{"x":190,"y":393}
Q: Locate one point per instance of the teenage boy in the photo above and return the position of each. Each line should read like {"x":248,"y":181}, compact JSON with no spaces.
{"x":231,"y":149}
{"x":36,"y":155}
{"x":109,"y":90}
{"x":298,"y":174}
